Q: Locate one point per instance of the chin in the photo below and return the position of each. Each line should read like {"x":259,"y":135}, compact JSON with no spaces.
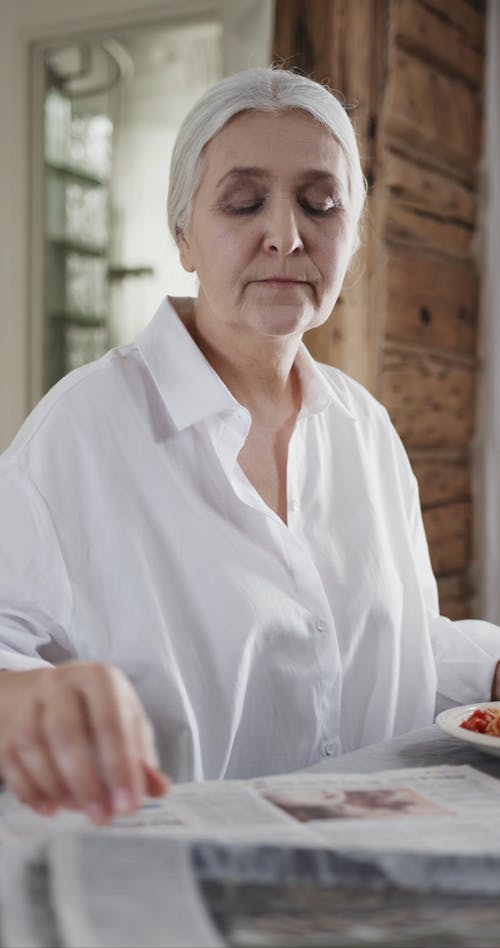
{"x":284,"y":321}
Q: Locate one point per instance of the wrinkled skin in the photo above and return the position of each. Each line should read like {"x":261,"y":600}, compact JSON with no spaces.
{"x":77,"y":736}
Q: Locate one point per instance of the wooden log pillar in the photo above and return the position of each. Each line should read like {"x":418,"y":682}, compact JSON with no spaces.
{"x":411,"y":74}
{"x":342,"y":43}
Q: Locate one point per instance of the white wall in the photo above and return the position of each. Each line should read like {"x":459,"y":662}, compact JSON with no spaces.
{"x":172,"y":69}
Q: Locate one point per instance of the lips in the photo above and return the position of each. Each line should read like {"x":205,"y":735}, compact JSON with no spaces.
{"x":281,"y":281}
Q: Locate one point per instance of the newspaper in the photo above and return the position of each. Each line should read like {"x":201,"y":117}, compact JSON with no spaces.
{"x":409,"y":856}
{"x":156,"y":892}
{"x":27,"y":911}
{"x":448,"y":809}
{"x":425,"y":809}
{"x":77,"y":890}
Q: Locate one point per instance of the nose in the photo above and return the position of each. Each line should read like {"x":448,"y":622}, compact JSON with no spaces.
{"x":282,"y":234}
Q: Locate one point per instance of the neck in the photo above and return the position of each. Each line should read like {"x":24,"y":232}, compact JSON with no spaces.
{"x":258,"y":371}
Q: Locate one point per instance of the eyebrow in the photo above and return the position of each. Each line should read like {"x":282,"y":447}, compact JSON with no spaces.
{"x":310,"y":175}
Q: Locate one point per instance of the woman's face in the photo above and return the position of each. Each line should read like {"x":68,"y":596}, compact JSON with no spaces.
{"x":271,"y":231}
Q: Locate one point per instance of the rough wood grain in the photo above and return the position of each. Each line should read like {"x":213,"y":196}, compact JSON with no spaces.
{"x":439,"y":115}
{"x":340,"y":43}
{"x":468,"y":16}
{"x":454,"y":609}
{"x":344,"y":340}
{"x":456,"y":596}
{"x":425,"y":208}
{"x":456,"y":587}
{"x":343,"y":43}
{"x":405,"y":324}
{"x":449,"y":533}
{"x":430,"y":399}
{"x":442,"y":478}
{"x":432,"y":302}
{"x":303,"y":36}
{"x":457,"y":609}
{"x":440,"y":33}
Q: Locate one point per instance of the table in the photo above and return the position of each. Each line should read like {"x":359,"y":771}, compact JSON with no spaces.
{"x":423,"y":748}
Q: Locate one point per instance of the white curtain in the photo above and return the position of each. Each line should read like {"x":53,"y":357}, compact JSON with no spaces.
{"x":488,"y":466}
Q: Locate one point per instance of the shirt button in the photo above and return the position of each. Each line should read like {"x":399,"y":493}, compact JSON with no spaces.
{"x":294,"y":505}
{"x":320,"y":625}
{"x":330,"y":750}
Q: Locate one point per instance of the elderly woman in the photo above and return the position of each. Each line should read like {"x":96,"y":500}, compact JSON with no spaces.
{"x":206,"y":534}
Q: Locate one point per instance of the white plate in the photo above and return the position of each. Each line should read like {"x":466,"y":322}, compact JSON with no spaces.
{"x":450,"y":721}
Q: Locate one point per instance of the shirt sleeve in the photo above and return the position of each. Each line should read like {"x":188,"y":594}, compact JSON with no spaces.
{"x":466,"y":651}
{"x":35,"y":593}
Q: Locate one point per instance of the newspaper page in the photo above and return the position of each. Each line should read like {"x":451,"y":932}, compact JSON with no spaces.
{"x":18,"y":821}
{"x":325,"y":897}
{"x":26,"y":916}
{"x":131,"y":893}
{"x":229,"y":811}
{"x":447,"y":809}
{"x":423,"y":809}
{"x":136,"y":891}
{"x":409,"y":856}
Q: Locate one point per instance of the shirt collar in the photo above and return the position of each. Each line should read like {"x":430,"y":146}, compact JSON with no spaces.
{"x":319,"y":391}
{"x":189,"y":386}
{"x":192,"y":390}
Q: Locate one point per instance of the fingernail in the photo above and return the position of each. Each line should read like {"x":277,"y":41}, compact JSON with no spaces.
{"x":122,"y":800}
{"x":96,"y":811}
{"x":45,"y":808}
{"x":69,"y":803}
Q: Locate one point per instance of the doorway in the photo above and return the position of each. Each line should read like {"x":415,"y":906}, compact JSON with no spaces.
{"x":111,"y":105}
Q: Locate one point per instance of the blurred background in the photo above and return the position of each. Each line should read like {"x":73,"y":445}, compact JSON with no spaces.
{"x":91,"y":97}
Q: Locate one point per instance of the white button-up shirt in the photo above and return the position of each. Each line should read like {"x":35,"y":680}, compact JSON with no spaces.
{"x":130,"y":534}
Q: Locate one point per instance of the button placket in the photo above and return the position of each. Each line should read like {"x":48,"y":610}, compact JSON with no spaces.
{"x":293,"y":467}
{"x":331,"y":749}
{"x":311,"y":594}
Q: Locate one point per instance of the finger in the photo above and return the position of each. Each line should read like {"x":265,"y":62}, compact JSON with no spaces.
{"x":111,"y":707}
{"x":34,"y":757}
{"x":30,"y":755}
{"x":71,"y":748}
{"x":157,"y":784}
{"x":23,"y":787}
{"x":145,"y":739}
{"x":69,"y":804}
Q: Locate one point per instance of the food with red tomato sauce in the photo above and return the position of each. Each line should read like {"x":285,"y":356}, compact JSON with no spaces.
{"x":483,"y":721}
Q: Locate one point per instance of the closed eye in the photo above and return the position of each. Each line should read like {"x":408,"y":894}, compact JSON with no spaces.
{"x":242,"y":208}
{"x":321,"y":210}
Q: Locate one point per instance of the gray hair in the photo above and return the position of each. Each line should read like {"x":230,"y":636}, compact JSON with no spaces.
{"x":262,"y":89}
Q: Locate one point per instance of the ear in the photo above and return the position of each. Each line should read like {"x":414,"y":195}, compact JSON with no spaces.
{"x":185,"y":253}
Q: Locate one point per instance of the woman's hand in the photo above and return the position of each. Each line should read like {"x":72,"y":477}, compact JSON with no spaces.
{"x":495,"y":686}
{"x":77,"y":736}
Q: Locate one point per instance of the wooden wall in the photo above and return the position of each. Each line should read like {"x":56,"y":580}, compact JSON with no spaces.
{"x":406,"y":323}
